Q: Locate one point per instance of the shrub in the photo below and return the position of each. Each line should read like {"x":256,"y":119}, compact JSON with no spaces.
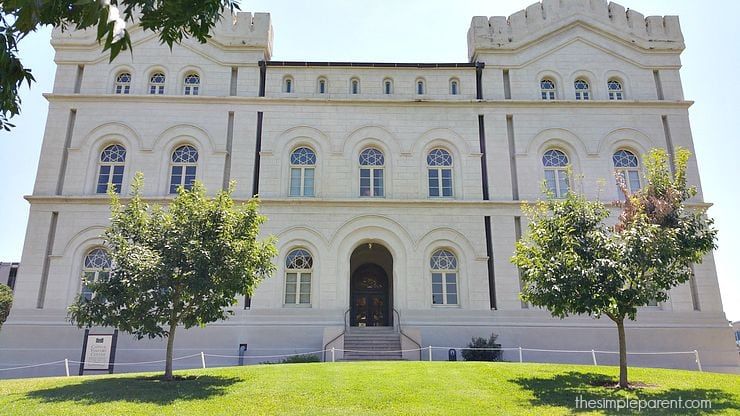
{"x":6,"y":301}
{"x":301,"y":358}
{"x":482,"y":355}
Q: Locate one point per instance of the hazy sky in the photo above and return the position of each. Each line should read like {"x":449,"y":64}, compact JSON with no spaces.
{"x":435,"y":31}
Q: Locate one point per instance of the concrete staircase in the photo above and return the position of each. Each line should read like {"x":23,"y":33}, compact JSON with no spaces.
{"x":375,"y":343}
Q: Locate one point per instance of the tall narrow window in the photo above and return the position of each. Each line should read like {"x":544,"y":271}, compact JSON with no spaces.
{"x":556,"y":172}
{"x":420,"y":87}
{"x":156,"y":83}
{"x":288,"y":85}
{"x":322,"y":86}
{"x":184,"y":166}
{"x":583,"y":91}
{"x":627,"y":166}
{"x":439,"y":167}
{"x":387,"y":87}
{"x":302,"y":170}
{"x":547,"y":89}
{"x":298,"y":269}
{"x":123,"y":83}
{"x":95,"y":267}
{"x":616,"y":92}
{"x":454,"y":87}
{"x":110,"y":171}
{"x":372,"y":162}
{"x":354,"y":86}
{"x":192,"y":84}
{"x":444,"y":278}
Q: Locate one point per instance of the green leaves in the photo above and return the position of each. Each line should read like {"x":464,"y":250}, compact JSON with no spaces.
{"x":6,"y":301}
{"x":183,"y":264}
{"x":174,"y":20}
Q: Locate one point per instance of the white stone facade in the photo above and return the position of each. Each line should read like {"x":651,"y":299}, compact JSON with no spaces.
{"x":495,"y":126}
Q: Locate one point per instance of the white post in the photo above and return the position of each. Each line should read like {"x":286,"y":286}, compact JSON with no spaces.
{"x":332,"y":354}
{"x":698,"y":362}
{"x":593,"y":355}
{"x":520,"y":354}
{"x":66,"y":366}
{"x":430,"y":353}
{"x":203,"y":359}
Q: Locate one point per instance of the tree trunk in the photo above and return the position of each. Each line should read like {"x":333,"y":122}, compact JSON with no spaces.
{"x":170,"y":348}
{"x":622,"y":354}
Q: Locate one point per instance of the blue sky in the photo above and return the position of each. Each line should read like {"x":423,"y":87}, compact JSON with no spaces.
{"x":435,"y":31}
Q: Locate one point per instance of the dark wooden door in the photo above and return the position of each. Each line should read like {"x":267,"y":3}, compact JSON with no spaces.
{"x":369,"y":300}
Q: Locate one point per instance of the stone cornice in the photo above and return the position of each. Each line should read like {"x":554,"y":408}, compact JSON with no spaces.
{"x":169,"y":99}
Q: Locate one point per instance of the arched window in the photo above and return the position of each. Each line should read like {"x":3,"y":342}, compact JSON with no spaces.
{"x":420,"y":87}
{"x":443,"y":266}
{"x":184,"y":166}
{"x":354,"y":86}
{"x":556,"y":172}
{"x":123,"y":83}
{"x":302,"y":169}
{"x":371,"y":172}
{"x":192,"y":84}
{"x":321,"y":87}
{"x":387,"y":86}
{"x":627,"y":165}
{"x":547,"y":89}
{"x":454,"y":87}
{"x":583,"y":91}
{"x":95,"y":267}
{"x":110,"y":170}
{"x":439,"y":167}
{"x":288,"y":86}
{"x":616,"y":92}
{"x":156,"y":83}
{"x":298,"y":268}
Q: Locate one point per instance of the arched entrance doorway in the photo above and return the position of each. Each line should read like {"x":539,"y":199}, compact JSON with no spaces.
{"x":371,"y":302}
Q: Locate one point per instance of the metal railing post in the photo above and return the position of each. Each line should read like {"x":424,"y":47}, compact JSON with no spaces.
{"x":520,"y":354}
{"x":66,"y":366}
{"x":332,"y":354}
{"x":430,"y":353}
{"x":203,"y":359}
{"x":593,"y":355}
{"x":698,"y":362}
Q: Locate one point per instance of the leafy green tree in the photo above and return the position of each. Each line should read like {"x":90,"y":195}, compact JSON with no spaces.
{"x":573,"y":262}
{"x":6,"y":301}
{"x":183,"y":265}
{"x":173,"y":20}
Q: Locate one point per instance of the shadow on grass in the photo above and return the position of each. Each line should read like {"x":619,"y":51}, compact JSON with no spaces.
{"x":565,"y":389}
{"x":137,"y":390}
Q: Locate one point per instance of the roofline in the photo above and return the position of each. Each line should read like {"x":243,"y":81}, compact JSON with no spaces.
{"x":472,"y":65}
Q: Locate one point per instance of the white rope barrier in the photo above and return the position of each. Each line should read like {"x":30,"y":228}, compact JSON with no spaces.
{"x":31,"y":366}
{"x":145,"y":362}
{"x":267,"y":356}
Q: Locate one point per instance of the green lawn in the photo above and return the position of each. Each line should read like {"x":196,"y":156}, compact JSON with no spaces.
{"x":368,"y":388}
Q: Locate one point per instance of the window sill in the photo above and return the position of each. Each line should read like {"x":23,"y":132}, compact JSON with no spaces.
{"x":297,"y":305}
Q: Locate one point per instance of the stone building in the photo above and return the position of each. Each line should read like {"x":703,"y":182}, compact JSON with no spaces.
{"x":394,"y":189}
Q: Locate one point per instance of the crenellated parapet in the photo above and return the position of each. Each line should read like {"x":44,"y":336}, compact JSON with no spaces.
{"x":541,"y":19}
{"x":242,"y":30}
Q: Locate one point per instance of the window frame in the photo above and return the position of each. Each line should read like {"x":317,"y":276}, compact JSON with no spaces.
{"x":387,"y":86}
{"x":184,"y":169}
{"x":548,"y":94}
{"x":288,"y":85}
{"x":122,"y":87}
{"x":156,"y":88}
{"x":322,"y":83}
{"x":440,"y":169}
{"x":625,"y":171}
{"x":302,"y":178}
{"x":444,"y":273}
{"x":454,"y":86}
{"x":354,"y":86}
{"x":582,"y":94}
{"x":191,"y":89}
{"x":615,"y":95}
{"x":95,"y":271}
{"x":420,"y":86}
{"x":112,"y":168}
{"x":560,"y":174}
{"x":375,"y":172}
{"x":302,"y":274}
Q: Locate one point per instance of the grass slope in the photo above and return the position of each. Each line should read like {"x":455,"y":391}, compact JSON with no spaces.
{"x":363,"y":388}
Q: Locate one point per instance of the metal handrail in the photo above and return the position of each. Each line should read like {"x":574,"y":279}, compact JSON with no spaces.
{"x":342,"y":333}
{"x":400,"y":331}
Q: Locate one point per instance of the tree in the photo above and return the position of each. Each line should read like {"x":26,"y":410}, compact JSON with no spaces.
{"x":173,"y":20}
{"x":6,"y":301}
{"x":572,"y":262}
{"x":184,"y":265}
